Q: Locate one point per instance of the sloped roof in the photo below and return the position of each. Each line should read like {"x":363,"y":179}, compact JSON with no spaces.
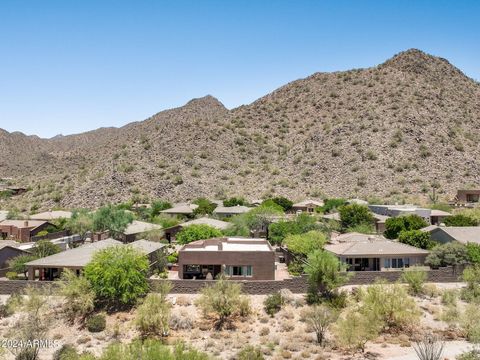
{"x":52,"y":215}
{"x":308,"y":202}
{"x":23,"y":224}
{"x":138,"y":227}
{"x":3,"y":215}
{"x":181,"y":209}
{"x":462,"y":234}
{"x":9,"y":243}
{"x":146,"y":246}
{"x":373,"y":248}
{"x":238,"y":209}
{"x":77,"y":257}
{"x":218,"y":224}
{"x":355,"y":237}
{"x":332,"y":216}
{"x":436,"y":212}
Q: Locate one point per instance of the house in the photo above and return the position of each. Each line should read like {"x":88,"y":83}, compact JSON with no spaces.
{"x":181,"y":209}
{"x":307,"y":206}
{"x":136,"y":228}
{"x":76,"y":259}
{"x":171,"y":232}
{"x":8,"y":250}
{"x":429,"y":215}
{"x":22,"y":230}
{"x":363,"y":252}
{"x":52,"y":215}
{"x":228,"y":211}
{"x":467,"y":197}
{"x":462,"y":234}
{"x":237,"y":258}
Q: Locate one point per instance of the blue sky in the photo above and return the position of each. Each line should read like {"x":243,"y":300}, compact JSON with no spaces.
{"x":70,"y":66}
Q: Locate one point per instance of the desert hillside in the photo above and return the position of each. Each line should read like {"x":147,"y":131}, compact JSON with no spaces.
{"x":389,"y":131}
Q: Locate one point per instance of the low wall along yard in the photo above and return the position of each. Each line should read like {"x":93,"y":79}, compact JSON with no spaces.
{"x":297,"y":285}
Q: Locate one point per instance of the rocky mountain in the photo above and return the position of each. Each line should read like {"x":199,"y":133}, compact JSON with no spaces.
{"x":390,"y":131}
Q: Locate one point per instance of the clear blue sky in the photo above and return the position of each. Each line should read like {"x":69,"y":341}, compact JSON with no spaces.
{"x":69,"y":66}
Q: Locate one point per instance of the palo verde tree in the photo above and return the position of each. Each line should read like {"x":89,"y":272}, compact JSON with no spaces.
{"x":118,"y":275}
{"x":197,"y":232}
{"x":111,"y":218}
{"x":354,"y":215}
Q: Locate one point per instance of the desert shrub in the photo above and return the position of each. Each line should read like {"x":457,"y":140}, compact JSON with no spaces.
{"x":172,"y":258}
{"x":66,"y":352}
{"x":11,"y":275}
{"x":196,"y":232}
{"x":453,"y":253}
{"x":470,"y":323}
{"x":181,"y":321}
{"x":415,"y":279}
{"x":249,"y":352}
{"x":234,"y":201}
{"x":295,"y":268}
{"x":150,"y":350}
{"x":429,"y":348}
{"x":354,"y":214}
{"x":331,"y":205}
{"x":460,"y":220}
{"x":96,"y":323}
{"x":449,"y":297}
{"x":325,"y":275}
{"x":320,"y":317}
{"x":471,"y":275}
{"x":153,"y":316}
{"x":431,"y":290}
{"x":205,"y":206}
{"x":389,"y":305}
{"x":221,"y":301}
{"x":417,"y":238}
{"x":469,"y":355}
{"x":273,"y":303}
{"x":353,"y":329}
{"x":118,"y":275}
{"x":450,"y":314}
{"x":395,"y":225}
{"x":79,"y":296}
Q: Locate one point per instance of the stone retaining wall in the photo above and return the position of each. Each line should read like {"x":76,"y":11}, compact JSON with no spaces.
{"x":297,"y":285}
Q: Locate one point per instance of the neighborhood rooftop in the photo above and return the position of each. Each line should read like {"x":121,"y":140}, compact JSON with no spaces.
{"x":181,"y":209}
{"x":137,"y":227}
{"x":229,"y":244}
{"x":375,"y":247}
{"x":52,"y":215}
{"x":238,"y":209}
{"x":23,"y":223}
{"x":218,"y":224}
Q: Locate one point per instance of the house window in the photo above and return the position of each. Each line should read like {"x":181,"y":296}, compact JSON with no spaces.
{"x":386,"y":263}
{"x":237,"y":270}
{"x":406,"y":262}
{"x":397,"y":263}
{"x":472,"y":198}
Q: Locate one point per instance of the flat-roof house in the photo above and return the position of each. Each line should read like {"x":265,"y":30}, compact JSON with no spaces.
{"x":136,"y":228}
{"x":467,"y":197}
{"x":21,"y":230}
{"x":228,"y":211}
{"x":429,"y":215}
{"x":237,"y":258}
{"x":363,"y":252}
{"x":181,"y":209}
{"x":462,"y":234}
{"x":8,"y":250}
{"x":76,"y":259}
{"x":307,"y":206}
{"x":52,"y":215}
{"x":171,"y":232}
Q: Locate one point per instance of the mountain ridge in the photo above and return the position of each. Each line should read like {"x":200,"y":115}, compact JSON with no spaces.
{"x":390,"y":131}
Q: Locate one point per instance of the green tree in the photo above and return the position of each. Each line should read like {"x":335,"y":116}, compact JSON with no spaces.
{"x":118,"y":275}
{"x":113,"y":219}
{"x":417,"y":238}
{"x":449,"y":254}
{"x":353,"y":215}
{"x":157,"y":206}
{"x":473,"y":251}
{"x":78,"y":294}
{"x":221,"y":301}
{"x":234,"y":201}
{"x":331,"y":205}
{"x":17,"y":264}
{"x":395,"y":225}
{"x":205,"y":206}
{"x":302,"y":223}
{"x":80,"y":223}
{"x":460,"y":220}
{"x":197,"y":232}
{"x":285,"y":203}
{"x":325,"y":274}
{"x":305,"y":244}
{"x":45,"y":248}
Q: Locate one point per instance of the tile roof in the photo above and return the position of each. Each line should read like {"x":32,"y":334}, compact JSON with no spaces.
{"x":52,"y":215}
{"x":138,"y":227}
{"x":373,"y":248}
{"x":238,"y":209}
{"x":23,"y":224}
{"x":218,"y":224}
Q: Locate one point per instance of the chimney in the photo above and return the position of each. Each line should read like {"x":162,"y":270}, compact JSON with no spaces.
{"x":25,"y":223}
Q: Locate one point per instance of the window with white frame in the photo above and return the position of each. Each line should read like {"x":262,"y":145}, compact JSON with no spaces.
{"x":239,"y":270}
